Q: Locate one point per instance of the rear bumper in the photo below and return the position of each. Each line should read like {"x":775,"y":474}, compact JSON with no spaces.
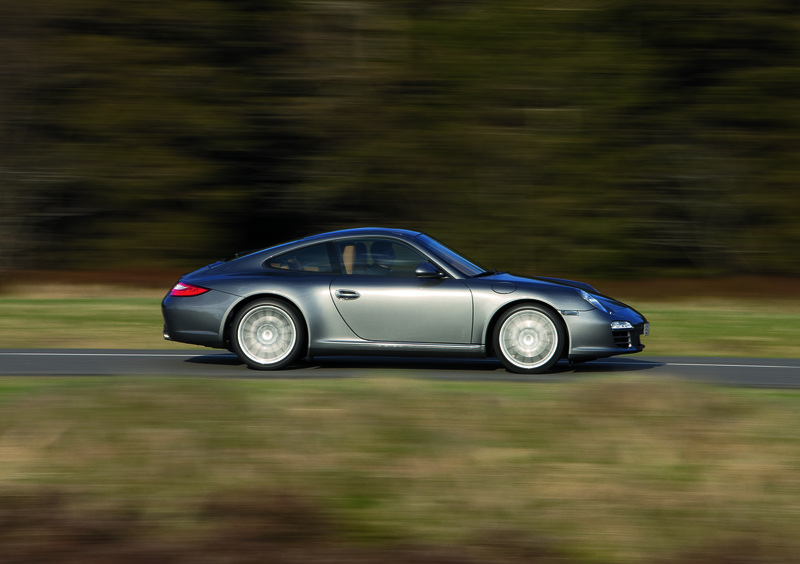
{"x":197,"y":320}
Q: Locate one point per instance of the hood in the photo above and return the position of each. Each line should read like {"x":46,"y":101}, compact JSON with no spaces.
{"x":564,"y":282}
{"x":506,"y":277}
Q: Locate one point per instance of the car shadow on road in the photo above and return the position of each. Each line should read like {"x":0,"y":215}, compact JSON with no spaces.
{"x":224,"y":359}
{"x":607,"y":365}
{"x":472,"y":365}
{"x":438,"y":368}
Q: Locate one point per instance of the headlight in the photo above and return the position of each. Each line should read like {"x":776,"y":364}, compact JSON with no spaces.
{"x":593,"y":301}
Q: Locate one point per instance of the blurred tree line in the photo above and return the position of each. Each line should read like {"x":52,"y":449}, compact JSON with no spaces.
{"x":580,"y":137}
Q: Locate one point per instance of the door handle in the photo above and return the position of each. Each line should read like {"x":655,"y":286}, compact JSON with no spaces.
{"x":347,"y":294}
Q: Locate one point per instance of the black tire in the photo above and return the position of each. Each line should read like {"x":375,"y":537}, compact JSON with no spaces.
{"x":528,"y":339}
{"x":268,"y":334}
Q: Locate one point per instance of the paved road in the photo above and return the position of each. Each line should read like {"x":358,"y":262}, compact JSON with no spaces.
{"x":742,"y":372}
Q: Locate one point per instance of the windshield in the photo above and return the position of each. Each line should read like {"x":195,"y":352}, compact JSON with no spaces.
{"x":449,"y":257}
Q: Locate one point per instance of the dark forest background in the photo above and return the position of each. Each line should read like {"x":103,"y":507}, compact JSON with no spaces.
{"x":566,"y":137}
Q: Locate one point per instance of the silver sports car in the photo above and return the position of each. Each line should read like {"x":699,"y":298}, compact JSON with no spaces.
{"x":393,"y":292}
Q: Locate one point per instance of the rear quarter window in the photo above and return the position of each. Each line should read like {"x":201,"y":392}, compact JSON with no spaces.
{"x":308,"y":259}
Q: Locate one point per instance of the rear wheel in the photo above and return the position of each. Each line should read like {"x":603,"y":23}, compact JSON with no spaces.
{"x":528,"y":339}
{"x":268,"y":334}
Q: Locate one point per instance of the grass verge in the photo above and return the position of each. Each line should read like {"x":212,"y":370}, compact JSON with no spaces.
{"x":125,"y":322}
{"x":390,"y":470}
{"x":690,"y":327}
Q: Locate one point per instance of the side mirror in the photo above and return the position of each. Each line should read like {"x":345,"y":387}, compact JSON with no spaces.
{"x":427,"y":271}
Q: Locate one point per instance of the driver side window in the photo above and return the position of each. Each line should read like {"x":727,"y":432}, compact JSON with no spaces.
{"x":378,"y":257}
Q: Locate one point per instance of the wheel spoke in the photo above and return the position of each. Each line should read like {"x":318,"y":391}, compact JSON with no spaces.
{"x":528,"y":339}
{"x":267,"y":334}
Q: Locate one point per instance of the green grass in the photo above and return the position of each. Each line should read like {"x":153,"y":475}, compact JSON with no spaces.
{"x":698,"y":327}
{"x":724,"y":327}
{"x":614,"y":470}
{"x":127,"y":322}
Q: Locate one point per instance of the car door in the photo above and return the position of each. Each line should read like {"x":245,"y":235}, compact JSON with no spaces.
{"x":381,"y":298}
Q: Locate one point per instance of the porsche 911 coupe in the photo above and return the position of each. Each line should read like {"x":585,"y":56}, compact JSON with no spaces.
{"x":376,"y":291}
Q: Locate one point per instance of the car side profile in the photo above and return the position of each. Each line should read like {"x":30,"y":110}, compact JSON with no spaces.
{"x":378,"y":291}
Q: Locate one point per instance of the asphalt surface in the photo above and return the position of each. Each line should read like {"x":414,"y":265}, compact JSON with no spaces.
{"x":739,"y":372}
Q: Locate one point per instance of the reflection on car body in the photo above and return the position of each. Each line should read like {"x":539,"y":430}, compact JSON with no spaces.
{"x":388,"y":291}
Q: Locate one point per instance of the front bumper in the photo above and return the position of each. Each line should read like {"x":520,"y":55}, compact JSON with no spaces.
{"x":593,"y":336}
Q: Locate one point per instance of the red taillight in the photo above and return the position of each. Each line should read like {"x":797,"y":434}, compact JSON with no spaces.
{"x":183,"y":289}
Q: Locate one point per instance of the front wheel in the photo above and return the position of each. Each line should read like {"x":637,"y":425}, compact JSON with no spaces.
{"x":528,"y":339}
{"x":267,"y":335}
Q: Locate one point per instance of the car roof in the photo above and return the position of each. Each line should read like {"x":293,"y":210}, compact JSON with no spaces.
{"x":357,"y":232}
{"x":363,"y":232}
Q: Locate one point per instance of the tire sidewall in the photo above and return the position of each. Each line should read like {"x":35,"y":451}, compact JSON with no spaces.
{"x":547,"y":364}
{"x":299,"y":328}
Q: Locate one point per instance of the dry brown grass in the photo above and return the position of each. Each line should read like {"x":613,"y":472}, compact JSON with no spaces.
{"x":137,"y":283}
{"x":87,"y":284}
{"x":677,"y":289}
{"x":60,"y":290}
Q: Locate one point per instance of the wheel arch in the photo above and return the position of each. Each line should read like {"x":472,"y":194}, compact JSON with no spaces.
{"x":488,"y":341}
{"x":241,"y":304}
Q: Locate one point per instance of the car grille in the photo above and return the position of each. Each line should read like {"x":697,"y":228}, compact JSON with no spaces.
{"x":622,"y":339}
